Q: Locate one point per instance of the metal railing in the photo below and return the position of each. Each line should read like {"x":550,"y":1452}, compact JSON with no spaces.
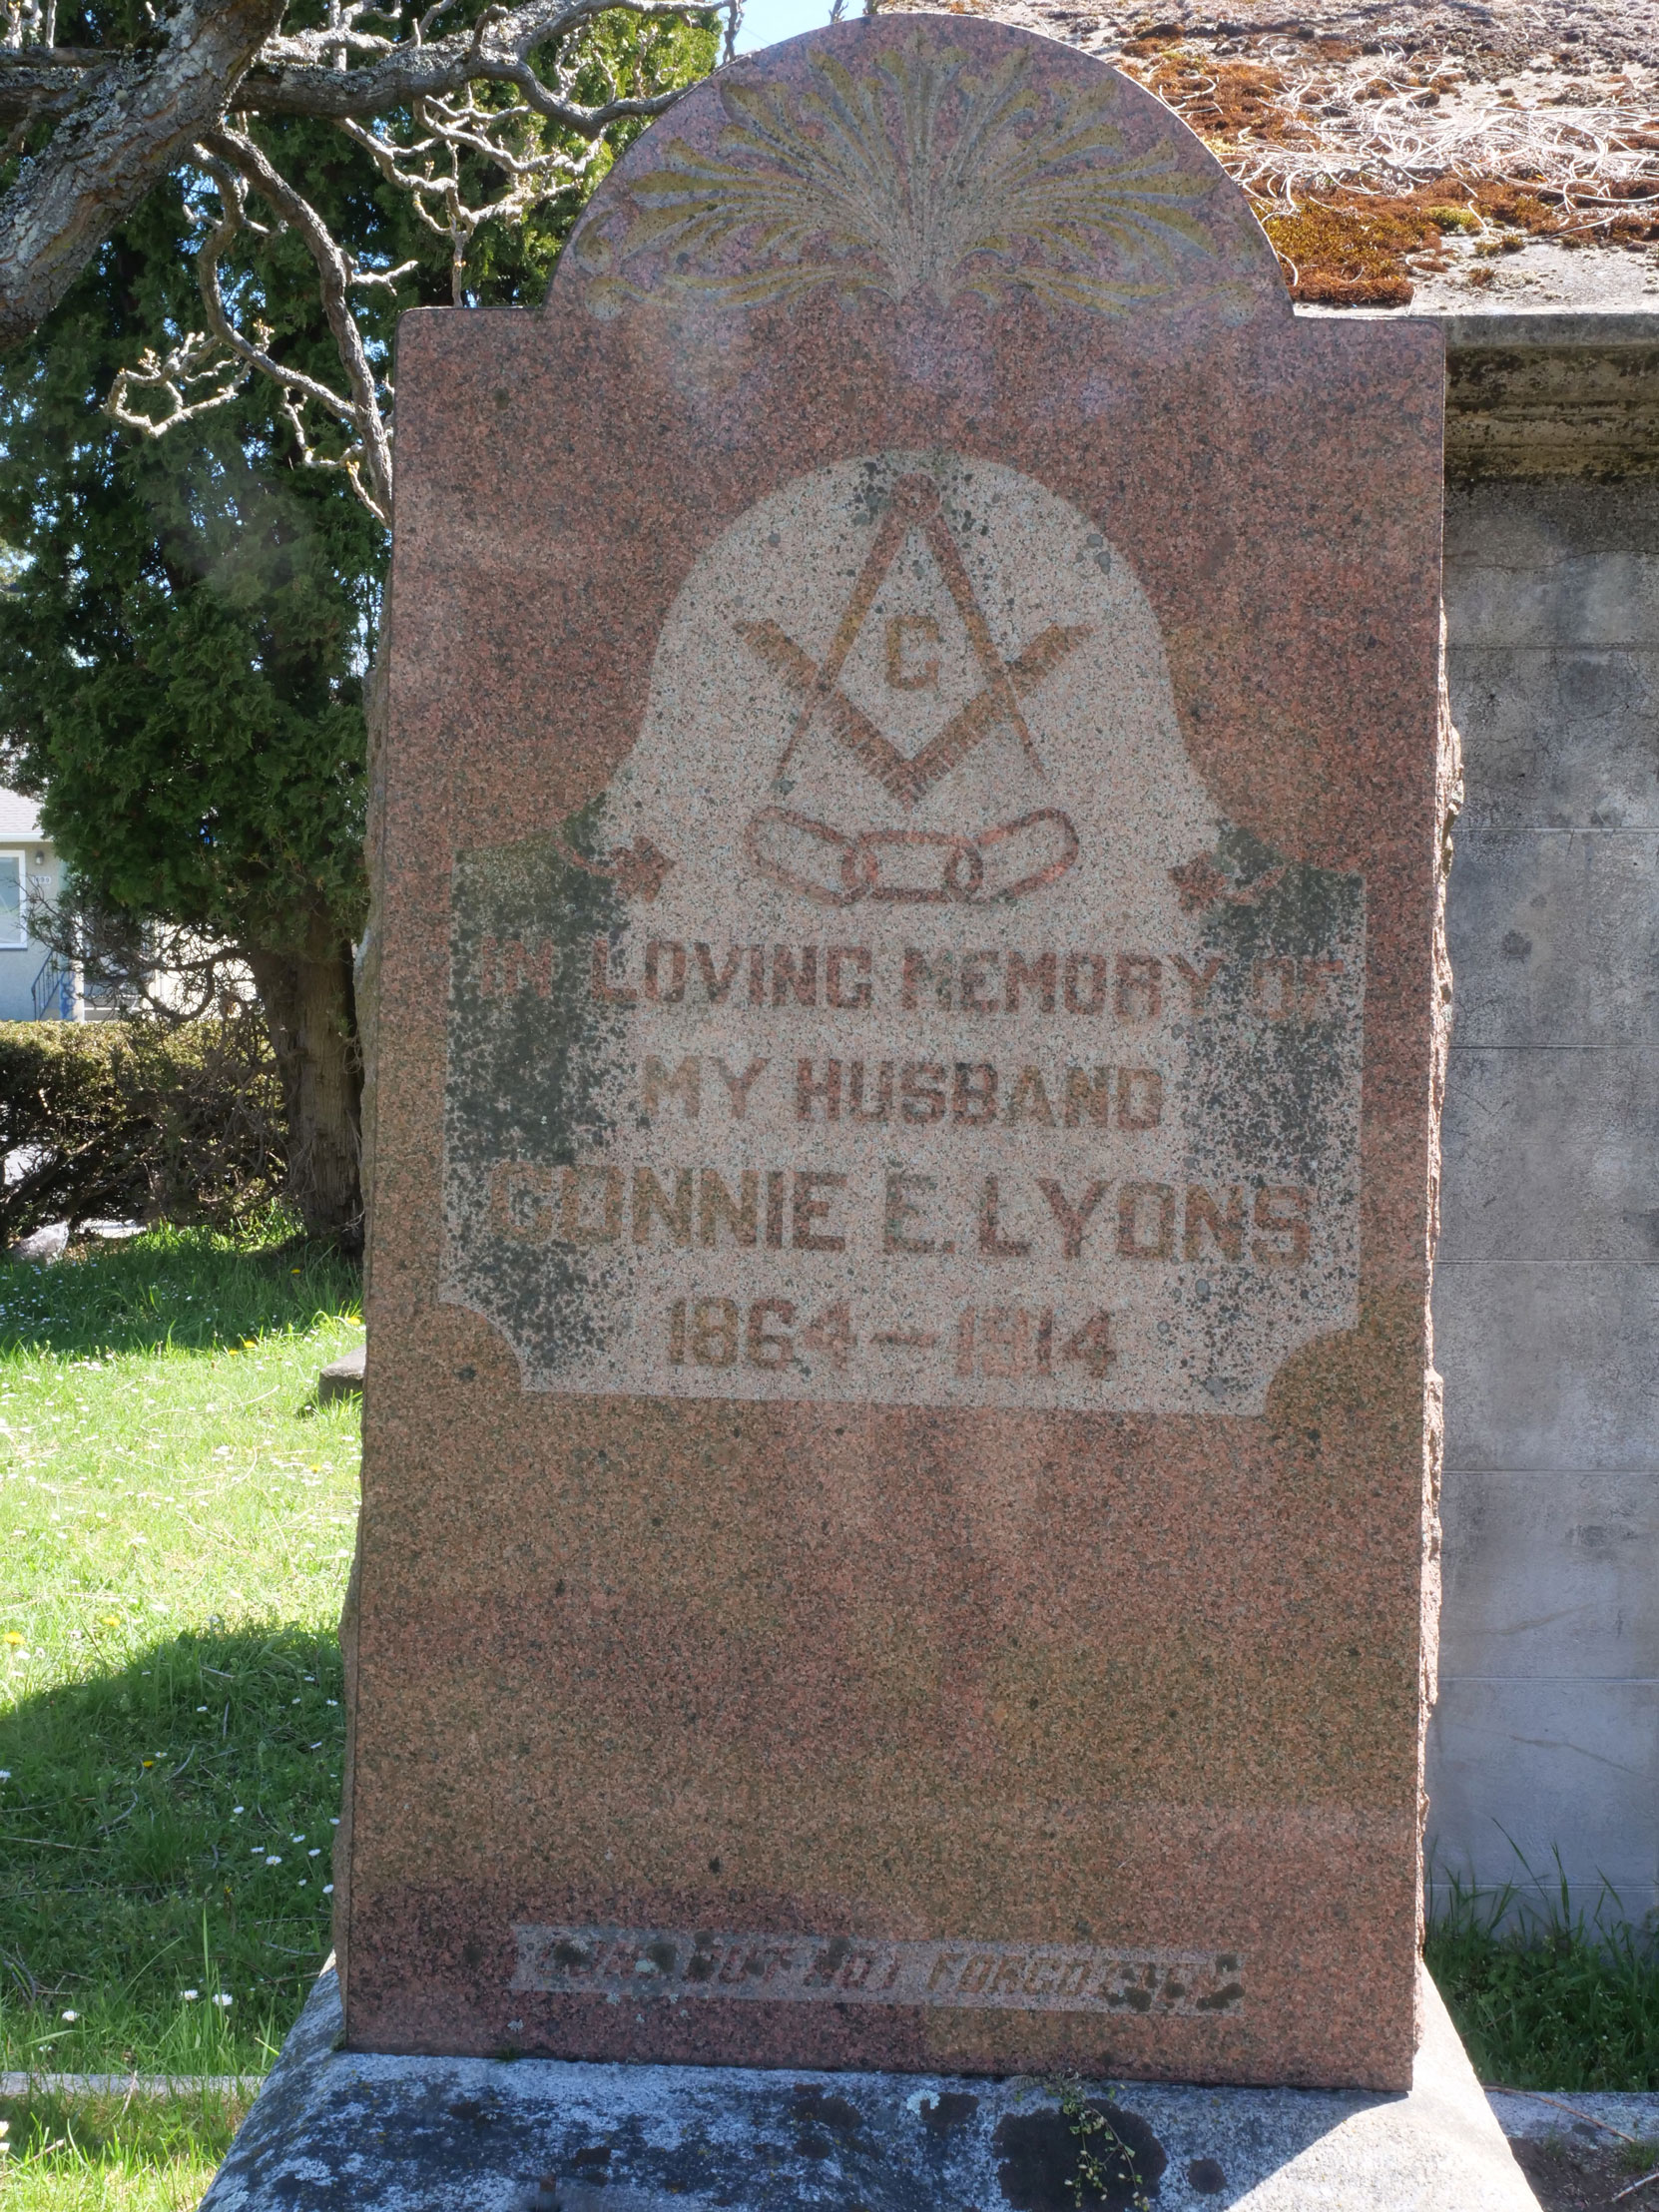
{"x":55,"y":990}
{"x":62,"y":992}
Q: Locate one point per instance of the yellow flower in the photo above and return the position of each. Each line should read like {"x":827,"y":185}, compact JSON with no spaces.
{"x":12,"y":1636}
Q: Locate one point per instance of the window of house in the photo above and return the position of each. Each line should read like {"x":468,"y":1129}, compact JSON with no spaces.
{"x":12,"y":929}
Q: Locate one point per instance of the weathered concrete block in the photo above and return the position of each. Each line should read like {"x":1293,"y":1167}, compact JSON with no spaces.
{"x":1550,"y":1575}
{"x":1561,"y":736}
{"x":1554,"y":937}
{"x":1607,"y":597}
{"x":1544,"y":1299}
{"x":1524,"y":1767}
{"x":1573,"y":1384}
{"x":1544,"y":1159}
{"x":1553,"y":394}
{"x":1529,"y":527}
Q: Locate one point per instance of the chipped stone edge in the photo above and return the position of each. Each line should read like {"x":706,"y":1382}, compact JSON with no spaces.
{"x":1448,"y":803}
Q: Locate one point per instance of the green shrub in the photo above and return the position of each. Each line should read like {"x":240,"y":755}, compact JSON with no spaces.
{"x":124,"y":1118}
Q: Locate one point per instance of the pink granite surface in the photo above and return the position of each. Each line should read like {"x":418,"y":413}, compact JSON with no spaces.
{"x":956,"y":1723}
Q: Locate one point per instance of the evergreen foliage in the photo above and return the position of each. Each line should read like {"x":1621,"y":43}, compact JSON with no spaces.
{"x":190,"y":620}
{"x":184,"y":641}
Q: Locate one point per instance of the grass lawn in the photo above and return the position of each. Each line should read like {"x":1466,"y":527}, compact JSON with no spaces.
{"x":175,"y":1524}
{"x":1556,"y":2003}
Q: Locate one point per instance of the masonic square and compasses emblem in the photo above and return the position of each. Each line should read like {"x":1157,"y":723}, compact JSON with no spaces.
{"x":908,"y":652}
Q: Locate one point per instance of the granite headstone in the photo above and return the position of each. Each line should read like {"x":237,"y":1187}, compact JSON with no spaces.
{"x":897,"y":1523}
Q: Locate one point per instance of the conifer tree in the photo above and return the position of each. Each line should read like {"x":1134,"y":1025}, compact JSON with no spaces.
{"x":185,"y":644}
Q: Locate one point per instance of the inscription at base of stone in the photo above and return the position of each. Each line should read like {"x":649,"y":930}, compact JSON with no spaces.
{"x":666,"y":1965}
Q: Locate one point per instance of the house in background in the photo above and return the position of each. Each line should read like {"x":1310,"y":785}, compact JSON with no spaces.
{"x":34,"y":985}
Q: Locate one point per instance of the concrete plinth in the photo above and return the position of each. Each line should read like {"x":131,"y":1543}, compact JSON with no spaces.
{"x":332,"y":2128}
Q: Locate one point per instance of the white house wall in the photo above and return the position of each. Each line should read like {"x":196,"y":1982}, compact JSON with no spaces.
{"x":19,"y":965}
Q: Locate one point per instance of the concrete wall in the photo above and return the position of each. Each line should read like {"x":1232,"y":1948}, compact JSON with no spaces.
{"x":1548,"y":1282}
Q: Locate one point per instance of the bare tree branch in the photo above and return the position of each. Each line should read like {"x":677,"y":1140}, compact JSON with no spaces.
{"x":436,"y":111}
{"x":294,"y":77}
{"x":169,"y":970}
{"x":341,"y":69}
{"x":120,"y":118}
{"x":235,"y":162}
{"x":196,"y":359}
{"x":133,"y":115}
{"x":429,"y":170}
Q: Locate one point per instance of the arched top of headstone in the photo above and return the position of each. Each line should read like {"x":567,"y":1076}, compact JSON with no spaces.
{"x":933,"y":164}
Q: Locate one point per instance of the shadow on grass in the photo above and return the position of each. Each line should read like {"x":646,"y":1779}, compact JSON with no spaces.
{"x":109,"y":2140}
{"x":166,"y":1834}
{"x":188,"y":1288}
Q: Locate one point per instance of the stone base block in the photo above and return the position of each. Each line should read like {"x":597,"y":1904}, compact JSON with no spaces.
{"x":342,"y":1378}
{"x":331,"y":2127}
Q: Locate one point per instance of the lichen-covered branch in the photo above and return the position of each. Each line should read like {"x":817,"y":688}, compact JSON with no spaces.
{"x":195,"y":360}
{"x":233,"y":149}
{"x":123,"y":123}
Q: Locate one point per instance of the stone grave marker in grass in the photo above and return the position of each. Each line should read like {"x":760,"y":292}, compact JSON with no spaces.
{"x":909,"y":1037}
{"x":902,"y":1233}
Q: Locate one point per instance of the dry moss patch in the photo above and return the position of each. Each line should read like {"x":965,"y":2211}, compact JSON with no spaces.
{"x":1222,"y":99}
{"x":1365,"y":164}
{"x":1352,"y":255}
{"x":1356,"y":250}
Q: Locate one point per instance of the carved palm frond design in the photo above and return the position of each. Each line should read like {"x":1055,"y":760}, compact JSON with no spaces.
{"x":914,"y":175}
